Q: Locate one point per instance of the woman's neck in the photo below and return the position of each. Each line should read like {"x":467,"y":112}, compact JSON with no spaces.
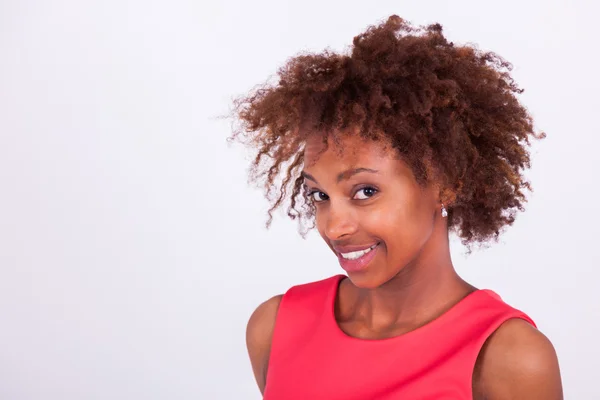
{"x":419,"y":293}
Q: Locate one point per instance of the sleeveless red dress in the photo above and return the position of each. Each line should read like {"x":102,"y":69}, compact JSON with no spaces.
{"x":312,"y":358}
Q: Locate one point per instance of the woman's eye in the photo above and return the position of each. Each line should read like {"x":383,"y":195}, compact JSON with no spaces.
{"x":318,"y":196}
{"x":365,"y":193}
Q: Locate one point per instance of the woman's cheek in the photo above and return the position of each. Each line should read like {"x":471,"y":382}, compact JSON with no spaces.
{"x":383,"y":219}
{"x":400,"y":220}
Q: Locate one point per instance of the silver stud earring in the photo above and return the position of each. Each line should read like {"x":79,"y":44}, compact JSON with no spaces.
{"x":444,"y":211}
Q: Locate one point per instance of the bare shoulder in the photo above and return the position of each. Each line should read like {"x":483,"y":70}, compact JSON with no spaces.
{"x":517,"y":362}
{"x":259,"y":333}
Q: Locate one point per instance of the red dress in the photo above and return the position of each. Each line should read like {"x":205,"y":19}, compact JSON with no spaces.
{"x":312,"y":358}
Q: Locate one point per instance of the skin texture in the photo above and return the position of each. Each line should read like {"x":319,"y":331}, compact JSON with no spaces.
{"x":411,"y":280}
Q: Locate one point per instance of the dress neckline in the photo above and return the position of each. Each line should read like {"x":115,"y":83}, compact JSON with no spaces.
{"x":405,"y":336}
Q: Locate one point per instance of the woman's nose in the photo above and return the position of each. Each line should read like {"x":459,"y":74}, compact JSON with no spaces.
{"x":340,"y":222}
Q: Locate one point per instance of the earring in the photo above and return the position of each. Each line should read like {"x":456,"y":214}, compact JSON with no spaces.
{"x":444,"y":211}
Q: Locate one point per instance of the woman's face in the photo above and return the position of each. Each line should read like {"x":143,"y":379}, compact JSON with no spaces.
{"x":366,"y":198}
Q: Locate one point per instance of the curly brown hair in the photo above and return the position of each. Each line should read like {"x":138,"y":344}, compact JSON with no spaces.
{"x":450,"y":111}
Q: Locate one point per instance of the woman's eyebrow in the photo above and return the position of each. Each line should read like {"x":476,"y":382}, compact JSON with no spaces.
{"x":351,"y":172}
{"x":308,"y":176}
{"x":343,"y":175}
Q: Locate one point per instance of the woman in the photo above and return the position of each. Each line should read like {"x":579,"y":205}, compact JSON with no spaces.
{"x":387,"y":149}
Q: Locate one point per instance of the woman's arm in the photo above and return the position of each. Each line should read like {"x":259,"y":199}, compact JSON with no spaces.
{"x":259,"y":333}
{"x":518,"y":363}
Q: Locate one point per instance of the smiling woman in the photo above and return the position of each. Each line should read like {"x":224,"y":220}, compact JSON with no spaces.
{"x":366,"y":197}
{"x":387,"y":150}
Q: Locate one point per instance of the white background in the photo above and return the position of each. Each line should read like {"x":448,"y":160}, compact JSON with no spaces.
{"x":132,"y":250}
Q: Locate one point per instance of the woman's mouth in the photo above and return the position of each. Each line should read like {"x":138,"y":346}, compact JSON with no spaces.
{"x":354,"y":261}
{"x":355,"y":255}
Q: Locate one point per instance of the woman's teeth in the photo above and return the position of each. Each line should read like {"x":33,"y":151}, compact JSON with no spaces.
{"x":357,"y":254}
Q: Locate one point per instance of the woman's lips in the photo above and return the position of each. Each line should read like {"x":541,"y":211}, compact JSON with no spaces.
{"x":360,"y":263}
{"x":350,"y":249}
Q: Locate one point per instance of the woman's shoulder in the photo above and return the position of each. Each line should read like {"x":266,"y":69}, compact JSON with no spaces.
{"x":259,"y":334}
{"x":262,"y":320}
{"x":517,"y":361}
{"x":261,"y":325}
